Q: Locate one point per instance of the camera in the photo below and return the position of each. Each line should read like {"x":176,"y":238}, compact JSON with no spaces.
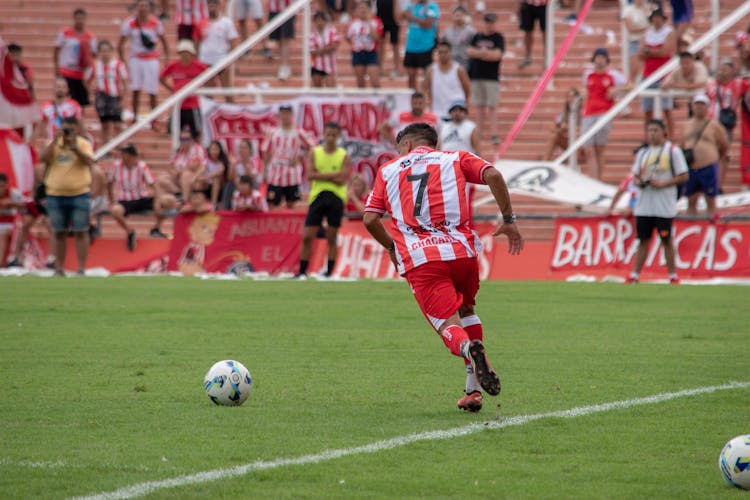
{"x":67,"y":132}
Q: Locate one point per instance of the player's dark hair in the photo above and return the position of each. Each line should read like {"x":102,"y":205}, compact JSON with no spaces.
{"x":332,"y":125}
{"x":246,"y":179}
{"x":71,"y":120}
{"x":79,"y":11}
{"x":658,"y":123}
{"x":419,"y":132}
{"x":104,"y":43}
{"x":417,"y":95}
{"x":444,"y":43}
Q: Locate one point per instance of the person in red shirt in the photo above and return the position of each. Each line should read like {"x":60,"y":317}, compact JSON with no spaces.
{"x":433,"y":244}
{"x":600,"y":87}
{"x":389,"y":129}
{"x":74,"y":51}
{"x":657,"y":48}
{"x":181,"y":72}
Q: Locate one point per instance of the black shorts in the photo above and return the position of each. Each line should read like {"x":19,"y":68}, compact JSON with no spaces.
{"x":283,"y":32}
{"x":393,"y":32}
{"x":137,"y":206}
{"x":190,"y":119}
{"x":78,"y":91}
{"x":108,"y":108}
{"x":334,"y":8}
{"x":530,"y":13}
{"x":274,"y":194}
{"x":417,"y":59}
{"x":185,"y":31}
{"x":317,"y":72}
{"x":644,"y":227}
{"x":326,"y":205}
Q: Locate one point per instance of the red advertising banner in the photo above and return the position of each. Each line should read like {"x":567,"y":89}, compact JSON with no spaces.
{"x":702,"y":248}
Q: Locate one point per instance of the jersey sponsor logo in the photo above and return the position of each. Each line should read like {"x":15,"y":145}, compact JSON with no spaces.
{"x":433,"y":241}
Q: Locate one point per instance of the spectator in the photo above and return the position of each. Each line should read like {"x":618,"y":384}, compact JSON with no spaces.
{"x":189,"y":15}
{"x":389,"y":129}
{"x":338,"y":10}
{"x":459,"y":35}
{"x":324,"y":42}
{"x":485,"y":56}
{"x":69,"y":158}
{"x":247,"y":197}
{"x":10,"y":202}
{"x":189,"y":159}
{"x":328,"y":171}
{"x":211,"y":177}
{"x":600,"y":89}
{"x":56,"y":110}
{"x":109,"y":80}
{"x":421,"y":35}
{"x":17,"y":80}
{"x":35,"y":211}
{"x":440,"y":262}
{"x":460,"y":133}
{"x":283,"y":153}
{"x":530,"y":11}
{"x":131,"y":189}
{"x":659,"y":43}
{"x":560,"y":134}
{"x":705,"y":144}
{"x":356,"y":197}
{"x":627,"y":186}
{"x":216,"y":36}
{"x":445,"y":81}
{"x":141,"y":31}
{"x":255,"y":9}
{"x":659,"y":169}
{"x":182,"y":72}
{"x":742,"y":44}
{"x":364,"y":34}
{"x":387,"y":11}
{"x":75,"y":47}
{"x":197,"y":203}
{"x":682,"y":15}
{"x":246,"y":162}
{"x":283,"y":34}
{"x":691,"y":75}
{"x":725,"y":93}
{"x":635,"y":16}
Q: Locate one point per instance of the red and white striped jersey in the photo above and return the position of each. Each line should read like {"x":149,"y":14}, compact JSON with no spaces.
{"x":195,"y":152}
{"x":253,"y":168}
{"x":325,"y":62}
{"x":109,"y":77}
{"x":152,"y":28}
{"x":130,"y":183}
{"x":360,"y":35}
{"x":287,"y":148}
{"x":76,"y":51}
{"x":727,"y":95}
{"x":53,"y":114}
{"x":254,"y":201}
{"x":278,"y":5}
{"x":425,"y":194}
{"x":190,"y":12}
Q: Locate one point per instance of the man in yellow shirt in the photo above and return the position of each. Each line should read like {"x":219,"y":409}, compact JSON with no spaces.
{"x":328,"y":171}
{"x":69,"y":158}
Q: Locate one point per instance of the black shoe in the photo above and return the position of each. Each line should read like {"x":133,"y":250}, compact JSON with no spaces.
{"x":14,"y":263}
{"x":50,"y":264}
{"x":486,"y":376}
{"x":59,"y":272}
{"x":300,"y":277}
{"x":156,"y":233}
{"x":131,"y":241}
{"x":92,"y":233}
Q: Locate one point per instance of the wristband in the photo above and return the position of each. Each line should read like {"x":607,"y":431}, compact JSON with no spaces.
{"x":509,"y":219}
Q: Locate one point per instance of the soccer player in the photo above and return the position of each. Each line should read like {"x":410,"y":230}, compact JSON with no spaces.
{"x":434,"y":246}
{"x":328,"y":168}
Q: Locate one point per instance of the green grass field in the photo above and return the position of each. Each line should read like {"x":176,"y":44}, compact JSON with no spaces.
{"x":102,"y":390}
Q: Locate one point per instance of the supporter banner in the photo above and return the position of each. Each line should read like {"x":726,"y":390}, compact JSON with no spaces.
{"x":17,"y":160}
{"x":359,"y":118}
{"x":236,"y":242}
{"x":745,"y":146}
{"x":702,"y":248}
{"x":17,"y":106}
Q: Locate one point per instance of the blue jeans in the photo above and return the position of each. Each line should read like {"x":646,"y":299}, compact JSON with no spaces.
{"x":69,"y":212}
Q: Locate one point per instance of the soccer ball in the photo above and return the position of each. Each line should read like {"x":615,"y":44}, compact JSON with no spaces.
{"x":228,"y":383}
{"x":734,"y":462}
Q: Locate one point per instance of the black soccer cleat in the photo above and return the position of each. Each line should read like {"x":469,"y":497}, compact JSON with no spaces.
{"x":486,"y":376}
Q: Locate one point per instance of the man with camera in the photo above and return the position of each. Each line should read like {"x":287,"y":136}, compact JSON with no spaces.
{"x":68,"y":159}
{"x":658,"y":171}
{"x":705,"y":144}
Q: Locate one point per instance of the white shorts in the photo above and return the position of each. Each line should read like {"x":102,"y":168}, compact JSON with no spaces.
{"x":254,"y":7}
{"x":601,"y":138}
{"x":144,"y":75}
{"x":6,"y":227}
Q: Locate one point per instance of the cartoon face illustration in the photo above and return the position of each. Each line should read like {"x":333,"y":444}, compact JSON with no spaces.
{"x":203,"y":228}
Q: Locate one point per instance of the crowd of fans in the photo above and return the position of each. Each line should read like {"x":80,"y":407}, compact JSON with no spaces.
{"x":453,"y":71}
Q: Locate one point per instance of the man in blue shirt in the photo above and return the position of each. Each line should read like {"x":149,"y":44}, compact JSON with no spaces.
{"x":421,"y":36}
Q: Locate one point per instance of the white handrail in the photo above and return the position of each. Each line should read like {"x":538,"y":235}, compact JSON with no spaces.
{"x":549,"y":34}
{"x":204,"y":77}
{"x":624,"y":42}
{"x":715,"y":14}
{"x":712,"y":34}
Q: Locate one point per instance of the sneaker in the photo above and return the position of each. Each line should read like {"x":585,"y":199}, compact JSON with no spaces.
{"x":631,"y":281}
{"x":486,"y":376}
{"x":81,"y":272}
{"x":674,"y":280}
{"x":570,"y":18}
{"x":471,"y":402}
{"x":50,"y":264}
{"x":92,"y":234}
{"x":156,"y":233}
{"x":284,"y":72}
{"x":131,"y":241}
{"x":299,"y":277}
{"x":524,"y":63}
{"x":14,"y":263}
{"x":59,"y":272}
{"x":267,"y":53}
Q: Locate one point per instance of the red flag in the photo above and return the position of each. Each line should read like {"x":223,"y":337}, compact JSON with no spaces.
{"x":17,"y":161}
{"x":17,"y":106}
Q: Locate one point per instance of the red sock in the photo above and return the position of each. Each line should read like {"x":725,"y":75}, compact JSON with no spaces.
{"x":452,"y":337}
{"x":473,"y":326}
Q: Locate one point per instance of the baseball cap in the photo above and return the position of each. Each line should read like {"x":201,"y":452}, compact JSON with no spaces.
{"x":702,"y":98}
{"x":285,"y":107}
{"x":490,"y":17}
{"x":600,"y":51}
{"x":458,"y":104}
{"x":129,"y":148}
{"x":186,"y":45}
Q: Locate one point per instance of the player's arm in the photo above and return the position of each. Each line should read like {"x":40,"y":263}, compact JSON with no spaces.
{"x":342,"y":176}
{"x":311,"y":171}
{"x":375,"y":227}
{"x":121,"y":47}
{"x":463,"y":78}
{"x":496,"y":182}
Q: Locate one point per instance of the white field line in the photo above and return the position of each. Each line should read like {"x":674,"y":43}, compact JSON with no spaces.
{"x":144,"y":488}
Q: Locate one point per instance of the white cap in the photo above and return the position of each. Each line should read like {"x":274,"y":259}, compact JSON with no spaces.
{"x":702,"y":98}
{"x":186,"y":45}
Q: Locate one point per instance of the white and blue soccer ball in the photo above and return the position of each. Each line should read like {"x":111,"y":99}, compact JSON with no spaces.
{"x":228,"y":383}
{"x":734,"y":462}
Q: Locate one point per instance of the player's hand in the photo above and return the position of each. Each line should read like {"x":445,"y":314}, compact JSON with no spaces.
{"x":515,"y":241}
{"x":394,"y":260}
